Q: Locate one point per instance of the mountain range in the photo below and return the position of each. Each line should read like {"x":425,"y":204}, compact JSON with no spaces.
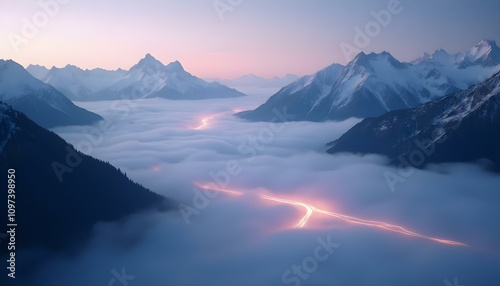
{"x":373,"y":84}
{"x":460,"y":127}
{"x":76,"y":83}
{"x":39,"y":101}
{"x":149,"y":78}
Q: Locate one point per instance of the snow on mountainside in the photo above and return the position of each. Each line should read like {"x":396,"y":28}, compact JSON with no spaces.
{"x":373,"y":84}
{"x":463,"y":126}
{"x":39,"y":101}
{"x":77,"y":83}
{"x":148,"y":78}
{"x":300,"y":96}
{"x":485,"y":53}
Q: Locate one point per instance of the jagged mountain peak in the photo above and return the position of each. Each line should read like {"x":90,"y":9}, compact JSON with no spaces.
{"x":10,"y":64}
{"x":487,"y":43}
{"x":175,"y":66}
{"x":70,"y":66}
{"x":148,"y":62}
{"x":67,"y":68}
{"x":440,"y":52}
{"x":485,"y":53}
{"x":374,"y":55}
{"x":368,"y":60}
{"x":151,"y":63}
{"x":151,"y":78}
{"x":422,"y":58}
{"x":149,"y":57}
{"x":36,"y":66}
{"x":12,"y":75}
{"x":374,"y":83}
{"x":38,"y":71}
{"x":39,"y":101}
{"x":442,"y":57}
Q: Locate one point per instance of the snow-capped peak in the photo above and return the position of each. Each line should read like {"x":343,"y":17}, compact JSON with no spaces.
{"x":175,"y":67}
{"x":486,"y":51}
{"x":423,"y":57}
{"x":149,"y":57}
{"x":440,"y":55}
{"x":14,"y":78}
{"x":148,"y":62}
{"x":359,"y":60}
{"x":10,"y":64}
{"x":72,"y":67}
{"x":39,"y":101}
{"x":37,"y":71}
{"x":486,"y":44}
{"x":151,"y":78}
{"x":371,"y":60}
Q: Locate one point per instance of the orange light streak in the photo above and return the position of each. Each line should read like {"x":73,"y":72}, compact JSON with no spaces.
{"x":310,"y":210}
{"x":204,"y":123}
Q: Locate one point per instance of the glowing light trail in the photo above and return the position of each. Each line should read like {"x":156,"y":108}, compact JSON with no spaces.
{"x":305,"y":218}
{"x":204,"y":123}
{"x":310,"y":209}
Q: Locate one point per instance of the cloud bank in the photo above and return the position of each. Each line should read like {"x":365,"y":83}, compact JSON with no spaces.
{"x":245,"y":240}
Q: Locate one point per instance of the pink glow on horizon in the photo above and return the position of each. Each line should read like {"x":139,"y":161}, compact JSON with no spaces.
{"x":299,"y":37}
{"x":212,"y":65}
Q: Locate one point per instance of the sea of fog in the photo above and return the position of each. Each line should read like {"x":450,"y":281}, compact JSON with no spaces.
{"x":269,"y":176}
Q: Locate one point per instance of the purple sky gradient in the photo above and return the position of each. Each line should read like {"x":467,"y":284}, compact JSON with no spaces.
{"x":266,"y":38}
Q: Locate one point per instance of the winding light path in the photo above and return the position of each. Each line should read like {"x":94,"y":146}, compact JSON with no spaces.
{"x":310,"y":210}
{"x":204,"y":123}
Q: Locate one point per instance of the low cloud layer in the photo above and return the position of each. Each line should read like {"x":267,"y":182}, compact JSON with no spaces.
{"x":245,"y":240}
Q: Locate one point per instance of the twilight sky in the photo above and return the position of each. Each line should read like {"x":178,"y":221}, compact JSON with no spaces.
{"x":266,"y":38}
